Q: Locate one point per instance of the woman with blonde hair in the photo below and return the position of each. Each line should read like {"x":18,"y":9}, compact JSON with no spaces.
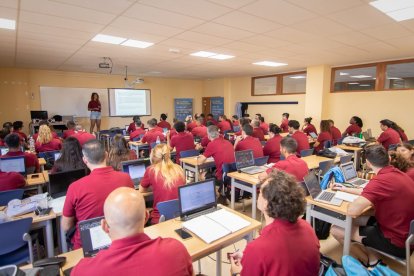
{"x":119,"y":152}
{"x":45,"y":140}
{"x":163,"y":176}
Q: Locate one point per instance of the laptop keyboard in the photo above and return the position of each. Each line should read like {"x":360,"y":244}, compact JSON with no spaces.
{"x":201,"y":213}
{"x":252,"y":170}
{"x":326,"y":196}
{"x":359,"y":182}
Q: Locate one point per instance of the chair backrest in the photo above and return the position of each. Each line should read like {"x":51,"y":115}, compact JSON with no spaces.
{"x":189,"y":153}
{"x":339,"y":141}
{"x":138,"y":137}
{"x":392,"y":147}
{"x":306,"y":152}
{"x":228,"y":168}
{"x":6,"y":196}
{"x":345,"y":159}
{"x":236,"y":128}
{"x":327,"y":144}
{"x":261,"y":161}
{"x":324,"y":166}
{"x":11,"y":239}
{"x":168,"y":209}
{"x":263,"y":143}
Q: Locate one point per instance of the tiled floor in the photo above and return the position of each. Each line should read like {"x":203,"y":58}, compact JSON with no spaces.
{"x":329,"y":247}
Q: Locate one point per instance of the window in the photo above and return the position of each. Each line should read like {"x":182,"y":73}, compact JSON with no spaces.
{"x":286,"y":83}
{"x":263,"y":86}
{"x":399,"y":76}
{"x":355,"y":78}
{"x":294,"y":83}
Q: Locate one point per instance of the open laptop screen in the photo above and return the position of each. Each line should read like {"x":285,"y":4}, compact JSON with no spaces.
{"x":59,"y":182}
{"x":312,"y":184}
{"x":93,"y":237}
{"x":136,"y":169}
{"x":244,"y":158}
{"x":13,"y":164}
{"x":196,"y":197}
{"x":349,"y":171}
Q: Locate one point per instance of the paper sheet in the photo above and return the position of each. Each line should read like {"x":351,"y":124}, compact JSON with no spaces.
{"x":229,"y":220}
{"x":346,"y":196}
{"x":206,"y":229}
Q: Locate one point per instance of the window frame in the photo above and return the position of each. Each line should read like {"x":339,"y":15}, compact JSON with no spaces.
{"x":411,"y":60}
{"x":279,"y":84}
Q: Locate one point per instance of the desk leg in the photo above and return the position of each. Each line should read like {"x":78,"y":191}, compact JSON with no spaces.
{"x":39,"y":189}
{"x":254,"y":197}
{"x":218,"y":263}
{"x":232,"y":194}
{"x":49,"y":239}
{"x":62,"y":236}
{"x":308,"y":211}
{"x":347,"y":237}
{"x":196,"y":174}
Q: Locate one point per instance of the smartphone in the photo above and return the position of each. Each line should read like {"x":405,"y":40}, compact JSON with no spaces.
{"x":34,"y":176}
{"x":42,"y":212}
{"x":182,"y":233}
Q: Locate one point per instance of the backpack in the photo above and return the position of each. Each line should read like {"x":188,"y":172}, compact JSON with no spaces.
{"x":352,"y":267}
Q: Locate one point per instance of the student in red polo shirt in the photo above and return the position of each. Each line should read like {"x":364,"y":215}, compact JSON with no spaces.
{"x":45,"y":140}
{"x":3,"y":133}
{"x":398,"y":161}
{"x":163,"y":178}
{"x":200,"y":130}
{"x":299,"y":136}
{"x":400,"y":131}
{"x":138,"y":132}
{"x":192,"y":122}
{"x":45,"y":122}
{"x":70,"y":158}
{"x":163,"y":122}
{"x":17,"y":128}
{"x":247,"y":142}
{"x":11,"y":181}
{"x":324,"y":136}
{"x":391,"y":194}
{"x":406,"y":150}
{"x":86,"y":196}
{"x":82,"y":135}
{"x":182,"y":141}
{"x":355,"y":126}
{"x":389,"y":136}
{"x":132,"y":252}
{"x":257,"y":131}
{"x":235,"y":120}
{"x":220,"y":149}
{"x":291,"y":164}
{"x":13,"y":142}
{"x":272,"y":146}
{"x":210,"y":118}
{"x":263,"y":125}
{"x":136,"y":122}
{"x":120,"y":152}
{"x":308,"y":127}
{"x":224,"y":124}
{"x":71,"y":129}
{"x":282,"y":201}
{"x":335,"y":132}
{"x":285,"y":122}
{"x":152,"y":133}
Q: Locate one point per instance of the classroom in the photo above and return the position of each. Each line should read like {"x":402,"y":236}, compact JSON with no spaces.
{"x":276,"y":63}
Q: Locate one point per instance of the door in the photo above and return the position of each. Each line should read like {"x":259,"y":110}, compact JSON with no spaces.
{"x":206,"y":105}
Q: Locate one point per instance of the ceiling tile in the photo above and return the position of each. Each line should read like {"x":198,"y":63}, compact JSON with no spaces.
{"x":147,"y":27}
{"x":26,"y":27}
{"x":202,"y":38}
{"x":267,"y":41}
{"x":291,"y":35}
{"x":134,"y":34}
{"x":234,"y":4}
{"x":324,"y":7}
{"x":108,"y":6}
{"x":248,"y":47}
{"x":8,"y":13}
{"x":222,"y":31}
{"x":387,"y":32}
{"x":353,"y":38}
{"x":321,"y":26}
{"x":9,"y":3}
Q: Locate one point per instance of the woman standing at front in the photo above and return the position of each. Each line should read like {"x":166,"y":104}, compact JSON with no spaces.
{"x":94,"y":106}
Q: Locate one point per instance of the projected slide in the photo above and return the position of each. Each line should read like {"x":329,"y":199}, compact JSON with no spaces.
{"x":129,"y":102}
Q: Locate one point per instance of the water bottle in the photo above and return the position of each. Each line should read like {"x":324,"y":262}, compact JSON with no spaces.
{"x":158,"y":140}
{"x":31,"y":144}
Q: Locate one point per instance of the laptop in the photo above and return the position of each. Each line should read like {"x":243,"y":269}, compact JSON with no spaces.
{"x":59,"y":182}
{"x":93,"y":237}
{"x":197,"y":199}
{"x":4,"y":150}
{"x":245,"y":162}
{"x":136,"y":169}
{"x":317,"y":194}
{"x":350,"y":174}
{"x":313,"y":135}
{"x":57,"y":155}
{"x":13,"y":164}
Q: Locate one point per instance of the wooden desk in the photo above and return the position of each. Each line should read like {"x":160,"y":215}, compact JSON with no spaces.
{"x":313,"y":160}
{"x":196,"y":247}
{"x":193,"y":164}
{"x":38,"y":182}
{"x":356,"y":151}
{"x":42,"y":163}
{"x":245,"y":182}
{"x":136,"y":146}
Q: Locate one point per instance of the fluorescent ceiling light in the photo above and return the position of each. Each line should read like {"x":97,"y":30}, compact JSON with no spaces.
{"x":136,"y":43}
{"x":398,"y":10}
{"x":365,"y":85}
{"x":108,"y":39}
{"x":7,"y":24}
{"x":343,"y":74}
{"x":203,"y":54}
{"x":401,"y":15}
{"x":270,"y":63}
{"x":394,"y":78}
{"x":361,"y":76}
{"x":298,"y":77}
{"x":220,"y":56}
{"x":353,"y":83}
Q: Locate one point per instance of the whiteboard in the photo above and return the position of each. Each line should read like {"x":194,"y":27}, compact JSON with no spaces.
{"x":68,"y":101}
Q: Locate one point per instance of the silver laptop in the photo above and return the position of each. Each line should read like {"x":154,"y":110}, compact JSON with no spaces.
{"x":245,"y":162}
{"x":317,"y":194}
{"x":350,"y":174}
{"x":136,"y":169}
{"x":93,"y":237}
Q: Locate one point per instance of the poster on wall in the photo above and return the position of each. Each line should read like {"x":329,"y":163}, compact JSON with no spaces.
{"x":217,"y":106}
{"x":183,"y":107}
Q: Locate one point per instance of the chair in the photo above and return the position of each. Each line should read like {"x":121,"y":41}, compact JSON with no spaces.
{"x":189,"y":153}
{"x":261,"y":161}
{"x":138,"y":138}
{"x":6,"y":196}
{"x":306,"y":152}
{"x":228,"y":168}
{"x":324,"y":167}
{"x":49,"y":157}
{"x":263,"y":143}
{"x":236,"y":128}
{"x":327,"y":144}
{"x":16,"y":244}
{"x":408,"y":243}
{"x":345,"y":159}
{"x":168,"y":209}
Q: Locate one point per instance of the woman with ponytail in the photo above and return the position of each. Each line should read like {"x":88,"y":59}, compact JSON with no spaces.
{"x":163,"y":176}
{"x":119,"y":152}
{"x":70,"y":158}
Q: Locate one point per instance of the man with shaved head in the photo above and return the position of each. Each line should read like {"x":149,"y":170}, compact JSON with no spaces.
{"x":132,"y":252}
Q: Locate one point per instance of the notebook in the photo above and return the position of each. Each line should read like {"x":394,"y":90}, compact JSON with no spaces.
{"x":350,"y":174}
{"x":317,"y":194}
{"x":13,"y":164}
{"x":245,"y":162}
{"x":93,"y":237}
{"x":136,"y":169}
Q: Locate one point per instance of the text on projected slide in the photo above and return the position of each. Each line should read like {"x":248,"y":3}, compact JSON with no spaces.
{"x":129,"y":101}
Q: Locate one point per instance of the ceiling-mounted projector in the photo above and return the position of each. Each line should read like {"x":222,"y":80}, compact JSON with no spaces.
{"x":104,"y":65}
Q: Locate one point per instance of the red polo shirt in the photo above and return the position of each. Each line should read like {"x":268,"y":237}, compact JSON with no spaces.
{"x":258,"y":133}
{"x":410,"y":173}
{"x":336,"y":135}
{"x":30,"y":159}
{"x":392,"y":194}
{"x":292,"y":165}
{"x":83,"y":137}
{"x":2,"y":144}
{"x":151,"y":136}
{"x":139,"y":255}
{"x":191,"y":125}
{"x":276,"y":251}
{"x":272,"y":149}
{"x":389,"y":137}
{"x":205,"y":141}
{"x":54,"y":135}
{"x":224,"y":126}
{"x":160,"y":191}
{"x":85,"y":197}
{"x":133,"y":136}
{"x":302,"y":140}
{"x":265,"y":127}
{"x":235,"y":123}
{"x":199,"y":131}
{"x":285,"y":125}
{"x":54,"y":144}
{"x":22,"y":135}
{"x":250,"y":143}
{"x":133,"y":127}
{"x":68,"y":133}
{"x":182,"y":141}
{"x":96,"y":105}
{"x":11,"y":181}
{"x":322,"y":137}
{"x":310,"y":128}
{"x":222,"y":151}
{"x":164,"y":124}
{"x":353,"y":129}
